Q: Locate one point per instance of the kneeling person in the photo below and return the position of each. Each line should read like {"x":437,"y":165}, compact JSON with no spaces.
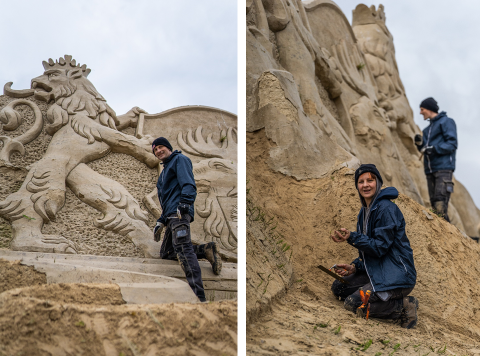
{"x":385,"y":264}
{"x":177,"y":192}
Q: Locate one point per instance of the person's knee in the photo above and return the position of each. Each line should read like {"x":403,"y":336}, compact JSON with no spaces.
{"x":352,"y":302}
{"x":338,"y":289}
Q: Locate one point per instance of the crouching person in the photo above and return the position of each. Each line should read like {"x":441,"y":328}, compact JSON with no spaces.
{"x":385,"y":264}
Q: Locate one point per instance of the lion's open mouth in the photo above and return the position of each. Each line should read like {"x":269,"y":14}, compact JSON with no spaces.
{"x":42,"y":91}
{"x":41,"y":86}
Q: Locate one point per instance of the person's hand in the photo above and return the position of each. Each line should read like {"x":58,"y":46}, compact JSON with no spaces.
{"x":157,"y":231}
{"x":340,"y":236}
{"x":182,"y":209}
{"x":418,"y":139}
{"x":344,"y":270}
{"x":429,"y":150}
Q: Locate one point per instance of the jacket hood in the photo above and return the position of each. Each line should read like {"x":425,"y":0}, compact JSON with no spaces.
{"x":388,"y":193}
{"x":174,"y":153}
{"x":440,"y":115}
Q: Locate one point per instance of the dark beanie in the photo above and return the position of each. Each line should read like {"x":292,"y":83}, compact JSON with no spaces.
{"x":162,"y":141}
{"x":366,"y":168}
{"x":430,"y":104}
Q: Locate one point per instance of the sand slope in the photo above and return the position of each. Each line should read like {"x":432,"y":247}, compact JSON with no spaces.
{"x":92,"y":319}
{"x":447,"y":262}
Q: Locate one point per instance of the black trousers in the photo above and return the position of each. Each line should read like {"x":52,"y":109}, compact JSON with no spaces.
{"x":440,"y":187}
{"x":350,"y":293}
{"x":177,"y":245}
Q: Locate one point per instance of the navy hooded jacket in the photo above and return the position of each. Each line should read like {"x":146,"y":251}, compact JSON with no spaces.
{"x":176,"y":184}
{"x":384,"y":252}
{"x":442,"y":135}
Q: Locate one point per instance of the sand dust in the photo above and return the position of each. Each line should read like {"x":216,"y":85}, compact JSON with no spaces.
{"x":92,"y":319}
{"x":447,"y":263}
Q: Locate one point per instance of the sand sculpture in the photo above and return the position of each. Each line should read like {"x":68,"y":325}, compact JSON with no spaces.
{"x":78,"y":179}
{"x":84,"y":129}
{"x":328,"y":94}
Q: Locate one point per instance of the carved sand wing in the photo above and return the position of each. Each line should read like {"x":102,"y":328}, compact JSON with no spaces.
{"x":216,"y":176}
{"x":200,"y":147}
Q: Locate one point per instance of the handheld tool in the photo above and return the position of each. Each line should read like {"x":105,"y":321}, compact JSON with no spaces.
{"x":327,"y":271}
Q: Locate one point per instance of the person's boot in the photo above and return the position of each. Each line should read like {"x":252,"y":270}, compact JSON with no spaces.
{"x":211,"y":254}
{"x":409,"y":313}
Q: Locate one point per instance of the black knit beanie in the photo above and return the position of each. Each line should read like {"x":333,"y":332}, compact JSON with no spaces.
{"x":162,"y":141}
{"x":365,"y":168}
{"x":430,"y":104}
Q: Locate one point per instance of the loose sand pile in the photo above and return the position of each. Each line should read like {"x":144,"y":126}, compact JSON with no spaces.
{"x":89,"y":319}
{"x":447,"y":263}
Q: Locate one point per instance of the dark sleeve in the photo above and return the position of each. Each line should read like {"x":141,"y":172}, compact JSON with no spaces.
{"x":382,"y":235}
{"x":423,"y":142}
{"x":162,"y":219}
{"x":359,"y":266}
{"x":186,"y":180}
{"x":449,"y":132}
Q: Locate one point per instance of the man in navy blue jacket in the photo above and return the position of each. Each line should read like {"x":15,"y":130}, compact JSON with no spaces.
{"x":385,"y":264}
{"x":439,"y":145}
{"x":177,"y":192}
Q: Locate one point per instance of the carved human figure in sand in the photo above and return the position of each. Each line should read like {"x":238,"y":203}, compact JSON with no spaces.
{"x":83,"y":128}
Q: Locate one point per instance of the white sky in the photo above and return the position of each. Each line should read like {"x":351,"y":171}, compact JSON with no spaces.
{"x":436,"y":44}
{"x":153,"y":54}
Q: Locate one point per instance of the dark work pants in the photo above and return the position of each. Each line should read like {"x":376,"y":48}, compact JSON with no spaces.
{"x":440,"y":186}
{"x":177,"y":245}
{"x":390,"y":309}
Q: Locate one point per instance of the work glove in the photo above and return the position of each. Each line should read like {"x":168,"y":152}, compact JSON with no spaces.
{"x":428,"y":150}
{"x":182,"y":209}
{"x":418,"y":139}
{"x":157,"y":231}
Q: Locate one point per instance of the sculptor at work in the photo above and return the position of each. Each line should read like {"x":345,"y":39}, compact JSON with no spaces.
{"x":177,"y":192}
{"x":439,"y":145}
{"x":385,"y":264}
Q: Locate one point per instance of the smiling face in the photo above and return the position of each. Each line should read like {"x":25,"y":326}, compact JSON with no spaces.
{"x":161,"y":152}
{"x":427,"y":114}
{"x":367,"y":186}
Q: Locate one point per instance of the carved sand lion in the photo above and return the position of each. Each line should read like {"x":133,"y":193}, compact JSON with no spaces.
{"x":83,"y":129}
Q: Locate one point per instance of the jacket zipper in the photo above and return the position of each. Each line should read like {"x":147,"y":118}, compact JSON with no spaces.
{"x":428,"y":140}
{"x":363,"y":254}
{"x":163,"y":177}
{"x":366,"y":270}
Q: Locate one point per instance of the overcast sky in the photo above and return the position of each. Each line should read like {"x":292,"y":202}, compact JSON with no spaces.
{"x":153,"y":54}
{"x":438,"y":54}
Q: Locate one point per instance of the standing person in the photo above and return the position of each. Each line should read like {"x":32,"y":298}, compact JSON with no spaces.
{"x":385,"y":264}
{"x":177,"y":192}
{"x":439,"y":145}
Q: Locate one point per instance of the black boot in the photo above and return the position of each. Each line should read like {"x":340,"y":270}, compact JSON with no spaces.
{"x":211,"y":254}
{"x":409,"y":312}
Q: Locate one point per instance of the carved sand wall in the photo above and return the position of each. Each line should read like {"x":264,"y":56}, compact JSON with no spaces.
{"x":77,"y":178}
{"x":328,"y":94}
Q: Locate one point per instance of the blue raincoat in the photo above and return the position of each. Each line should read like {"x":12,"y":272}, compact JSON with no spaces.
{"x":442,"y":135}
{"x":176,"y":184}
{"x":384,"y":251}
